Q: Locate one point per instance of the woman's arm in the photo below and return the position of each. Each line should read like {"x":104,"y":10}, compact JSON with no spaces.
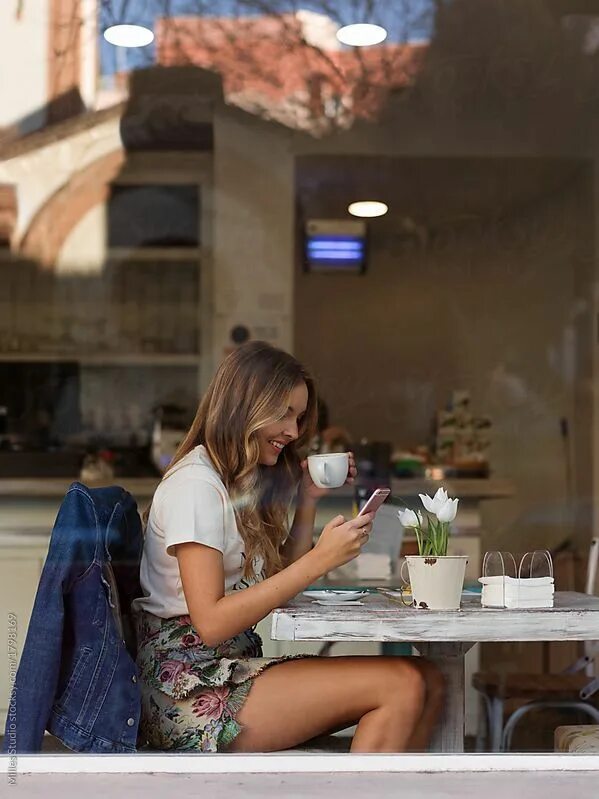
{"x":217,"y":617}
{"x":300,"y":539}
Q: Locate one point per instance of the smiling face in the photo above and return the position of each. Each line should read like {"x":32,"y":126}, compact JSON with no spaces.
{"x":273,"y":438}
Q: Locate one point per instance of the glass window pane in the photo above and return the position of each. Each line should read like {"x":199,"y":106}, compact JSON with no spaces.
{"x":153,"y":216}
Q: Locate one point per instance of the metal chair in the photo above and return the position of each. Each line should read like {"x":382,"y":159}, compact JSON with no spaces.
{"x":572,"y":688}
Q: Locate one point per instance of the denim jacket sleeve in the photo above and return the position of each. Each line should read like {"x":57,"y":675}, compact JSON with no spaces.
{"x":70,"y":555}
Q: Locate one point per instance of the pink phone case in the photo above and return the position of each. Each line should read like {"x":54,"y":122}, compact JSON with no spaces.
{"x":375,"y":500}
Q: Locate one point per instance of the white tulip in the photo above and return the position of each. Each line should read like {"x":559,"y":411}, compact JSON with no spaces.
{"x":408,"y":518}
{"x":434,"y":504}
{"x":447,"y":512}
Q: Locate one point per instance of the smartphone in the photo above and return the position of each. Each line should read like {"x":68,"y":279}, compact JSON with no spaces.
{"x":375,"y":500}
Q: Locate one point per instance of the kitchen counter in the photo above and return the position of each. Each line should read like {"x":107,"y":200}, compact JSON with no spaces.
{"x":31,"y":504}
{"x":464,"y":489}
{"x":56,"y":487}
{"x":28,"y":506}
{"x":492,"y":488}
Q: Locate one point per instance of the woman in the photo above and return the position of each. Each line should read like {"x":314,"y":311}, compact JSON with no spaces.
{"x":217,"y":559}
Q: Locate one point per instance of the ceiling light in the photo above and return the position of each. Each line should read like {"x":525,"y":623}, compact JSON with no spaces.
{"x":129,"y":35}
{"x":368,"y":208}
{"x":361,"y":34}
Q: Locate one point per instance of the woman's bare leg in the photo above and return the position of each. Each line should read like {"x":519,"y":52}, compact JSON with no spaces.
{"x":435,"y":700}
{"x":291,"y":702}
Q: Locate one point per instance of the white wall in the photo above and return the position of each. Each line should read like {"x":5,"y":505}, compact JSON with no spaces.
{"x":24,"y":53}
{"x":89,"y":52}
{"x":40,"y":173}
{"x":253,"y":230}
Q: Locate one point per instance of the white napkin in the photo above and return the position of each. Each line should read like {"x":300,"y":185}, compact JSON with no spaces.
{"x":518,"y":596}
{"x":531,"y":582}
{"x":529,"y":603}
{"x":513,"y":592}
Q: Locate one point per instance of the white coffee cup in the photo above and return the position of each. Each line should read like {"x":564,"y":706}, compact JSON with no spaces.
{"x":329,"y":470}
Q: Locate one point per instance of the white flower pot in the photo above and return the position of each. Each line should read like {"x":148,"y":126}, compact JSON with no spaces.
{"x":436,"y":582}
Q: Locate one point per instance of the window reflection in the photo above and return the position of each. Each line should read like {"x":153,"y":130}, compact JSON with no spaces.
{"x":161,"y":206}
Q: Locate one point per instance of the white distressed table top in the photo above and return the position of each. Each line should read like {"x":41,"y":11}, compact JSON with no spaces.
{"x":574,"y":617}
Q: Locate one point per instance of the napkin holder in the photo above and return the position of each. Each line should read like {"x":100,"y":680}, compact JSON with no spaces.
{"x":518,"y":589}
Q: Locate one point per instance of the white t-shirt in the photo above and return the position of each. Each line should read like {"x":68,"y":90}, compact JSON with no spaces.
{"x":191,"y":504}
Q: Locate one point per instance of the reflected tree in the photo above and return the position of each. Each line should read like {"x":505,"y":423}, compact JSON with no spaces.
{"x":281,"y":59}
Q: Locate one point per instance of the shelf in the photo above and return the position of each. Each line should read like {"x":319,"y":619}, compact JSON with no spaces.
{"x":471,"y":488}
{"x":110,"y":359}
{"x":55,"y":487}
{"x":163,"y":255}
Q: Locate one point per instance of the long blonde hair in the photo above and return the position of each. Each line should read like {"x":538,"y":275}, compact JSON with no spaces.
{"x":249,"y":391}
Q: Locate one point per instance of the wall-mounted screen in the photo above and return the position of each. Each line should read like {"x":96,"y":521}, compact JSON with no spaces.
{"x":335,"y":245}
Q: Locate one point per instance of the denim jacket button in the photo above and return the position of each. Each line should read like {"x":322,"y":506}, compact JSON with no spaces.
{"x":134,"y":678}
{"x":130,"y":722}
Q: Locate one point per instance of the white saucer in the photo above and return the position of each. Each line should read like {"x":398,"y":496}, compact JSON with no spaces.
{"x":335,"y":603}
{"x":335,"y":596}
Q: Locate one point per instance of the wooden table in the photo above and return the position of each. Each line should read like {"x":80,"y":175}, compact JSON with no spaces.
{"x":444,"y":636}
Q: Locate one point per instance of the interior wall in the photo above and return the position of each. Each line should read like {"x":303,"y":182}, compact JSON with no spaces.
{"x":500,"y":307}
{"x":252,"y":217}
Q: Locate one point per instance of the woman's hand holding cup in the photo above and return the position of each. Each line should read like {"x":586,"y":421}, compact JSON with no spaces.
{"x":326,"y":471}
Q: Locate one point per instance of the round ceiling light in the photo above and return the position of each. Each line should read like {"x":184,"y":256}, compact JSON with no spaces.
{"x":128,"y":35}
{"x":361,"y":34}
{"x":368,"y":208}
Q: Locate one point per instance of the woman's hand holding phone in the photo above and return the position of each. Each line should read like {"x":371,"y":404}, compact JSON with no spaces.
{"x":342,"y":541}
{"x":375,"y":500}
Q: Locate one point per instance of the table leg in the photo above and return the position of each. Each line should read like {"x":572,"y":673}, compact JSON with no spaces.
{"x":449,"y":657}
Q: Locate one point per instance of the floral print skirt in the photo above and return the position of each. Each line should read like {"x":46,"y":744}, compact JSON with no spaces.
{"x":191,"y":693}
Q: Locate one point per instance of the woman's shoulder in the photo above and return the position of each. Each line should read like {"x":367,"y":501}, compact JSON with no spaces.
{"x":194,"y":469}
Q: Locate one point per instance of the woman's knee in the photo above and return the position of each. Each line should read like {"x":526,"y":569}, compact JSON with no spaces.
{"x":403,"y":683}
{"x":433,"y":677}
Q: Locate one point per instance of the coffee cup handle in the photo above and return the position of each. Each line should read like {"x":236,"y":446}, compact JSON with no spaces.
{"x":321,"y":472}
{"x":406,"y":584}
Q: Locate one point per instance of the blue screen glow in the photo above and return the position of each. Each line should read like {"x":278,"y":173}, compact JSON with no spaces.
{"x":336,"y":252}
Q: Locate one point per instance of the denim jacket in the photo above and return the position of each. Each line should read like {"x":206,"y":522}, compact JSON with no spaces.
{"x":77,"y":676}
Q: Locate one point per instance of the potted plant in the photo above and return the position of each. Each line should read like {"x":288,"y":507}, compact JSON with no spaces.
{"x":436,"y":578}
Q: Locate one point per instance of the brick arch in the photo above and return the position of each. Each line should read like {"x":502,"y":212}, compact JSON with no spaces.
{"x":55,"y":220}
